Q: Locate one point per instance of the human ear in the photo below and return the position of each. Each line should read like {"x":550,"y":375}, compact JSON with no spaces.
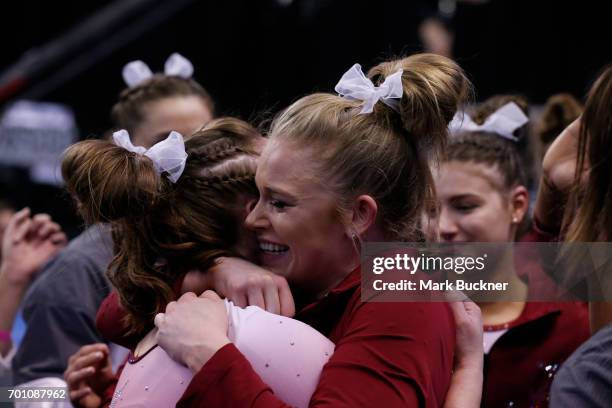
{"x":364,"y":214}
{"x":519,"y":201}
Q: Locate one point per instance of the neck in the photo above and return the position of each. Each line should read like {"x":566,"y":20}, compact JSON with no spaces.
{"x":338,"y":278}
{"x":304,"y":296}
{"x":495,"y":313}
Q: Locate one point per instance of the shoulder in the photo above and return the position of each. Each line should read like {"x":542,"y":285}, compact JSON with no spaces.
{"x":91,"y":251}
{"x":420,"y":319}
{"x":411,"y":341}
{"x":597,"y":350}
{"x":574,"y":312}
{"x":572,"y":322}
{"x":94,"y":245}
{"x":77,"y":273}
{"x":585,"y":379}
{"x":425,"y":330}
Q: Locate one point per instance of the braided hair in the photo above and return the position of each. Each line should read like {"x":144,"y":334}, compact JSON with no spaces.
{"x":161,"y":230}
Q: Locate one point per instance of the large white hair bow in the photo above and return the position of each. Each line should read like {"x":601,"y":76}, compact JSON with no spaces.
{"x":136,"y":72}
{"x":502,"y":122}
{"x":168,"y":155}
{"x":355,"y":85}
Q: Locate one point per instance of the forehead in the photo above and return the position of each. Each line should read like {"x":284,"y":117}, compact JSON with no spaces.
{"x":179,"y":107}
{"x":288,"y":166}
{"x":461,"y":178}
{"x":184,"y":114}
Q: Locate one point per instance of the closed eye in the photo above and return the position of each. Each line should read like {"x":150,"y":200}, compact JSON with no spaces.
{"x":465,"y":207}
{"x":279,"y":204}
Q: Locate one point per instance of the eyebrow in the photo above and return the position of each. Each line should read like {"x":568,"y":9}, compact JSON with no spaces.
{"x":465,"y":195}
{"x":270,"y":190}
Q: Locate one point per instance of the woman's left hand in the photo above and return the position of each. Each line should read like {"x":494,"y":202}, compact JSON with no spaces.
{"x":193,"y":328}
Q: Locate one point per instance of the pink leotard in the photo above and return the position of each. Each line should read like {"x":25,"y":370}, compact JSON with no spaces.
{"x":287,"y":354}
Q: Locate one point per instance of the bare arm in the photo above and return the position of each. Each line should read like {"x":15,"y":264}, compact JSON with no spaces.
{"x":466,"y":387}
{"x":245,"y":284}
{"x":558,"y":170}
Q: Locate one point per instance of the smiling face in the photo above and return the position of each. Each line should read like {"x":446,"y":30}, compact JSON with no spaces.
{"x":474,"y":206}
{"x":300,"y":234}
{"x":184,"y":114}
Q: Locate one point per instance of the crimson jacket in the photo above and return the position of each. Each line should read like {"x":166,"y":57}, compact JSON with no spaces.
{"x":520,"y":367}
{"x":387,"y":355}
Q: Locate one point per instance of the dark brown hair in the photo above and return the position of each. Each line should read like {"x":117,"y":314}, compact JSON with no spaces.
{"x":589,"y":214}
{"x":160,"y":229}
{"x":127,"y":113}
{"x":384,"y":153}
{"x":559,"y":111}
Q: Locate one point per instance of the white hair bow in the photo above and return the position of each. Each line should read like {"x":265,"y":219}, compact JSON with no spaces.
{"x":168,"y":156}
{"x":502,"y":122}
{"x":355,"y":85}
{"x":136,"y":72}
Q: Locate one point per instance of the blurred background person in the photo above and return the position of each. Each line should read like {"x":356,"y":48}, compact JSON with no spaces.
{"x":27,"y":244}
{"x":559,"y":111}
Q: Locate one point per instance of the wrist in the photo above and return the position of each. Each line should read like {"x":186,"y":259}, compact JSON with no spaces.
{"x":214,"y":276}
{"x":196,"y":281}
{"x":7,"y":277}
{"x":216,"y":265}
{"x":197,"y":357}
{"x":475,"y":364}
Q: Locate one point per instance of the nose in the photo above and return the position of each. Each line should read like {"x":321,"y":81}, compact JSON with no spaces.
{"x":256,"y":218}
{"x":448,"y":226}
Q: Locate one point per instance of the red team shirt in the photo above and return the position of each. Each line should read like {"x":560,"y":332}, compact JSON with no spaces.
{"x":387,"y":355}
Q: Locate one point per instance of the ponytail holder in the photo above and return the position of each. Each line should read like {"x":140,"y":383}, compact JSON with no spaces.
{"x":136,"y":72}
{"x":502,"y":122}
{"x":168,"y":156}
{"x":355,"y":85}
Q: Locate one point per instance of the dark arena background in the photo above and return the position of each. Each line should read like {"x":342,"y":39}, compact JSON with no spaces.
{"x":255,"y":57}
